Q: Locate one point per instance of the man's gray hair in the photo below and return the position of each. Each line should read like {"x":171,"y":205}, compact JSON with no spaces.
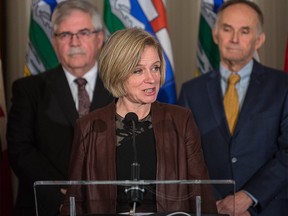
{"x":65,"y":8}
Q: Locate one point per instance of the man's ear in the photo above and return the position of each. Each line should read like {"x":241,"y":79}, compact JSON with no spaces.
{"x":54,"y":45}
{"x":53,"y":40}
{"x":100,"y":39}
{"x":215,"y":35}
{"x":260,"y":40}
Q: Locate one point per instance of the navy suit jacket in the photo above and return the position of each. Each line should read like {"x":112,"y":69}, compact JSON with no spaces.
{"x":256,"y":156}
{"x":40,"y":133}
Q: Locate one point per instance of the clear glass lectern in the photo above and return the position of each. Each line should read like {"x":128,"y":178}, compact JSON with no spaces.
{"x":172,"y":197}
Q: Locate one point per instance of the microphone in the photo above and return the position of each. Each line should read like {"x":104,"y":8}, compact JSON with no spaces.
{"x":134,"y":193}
{"x":131,"y":117}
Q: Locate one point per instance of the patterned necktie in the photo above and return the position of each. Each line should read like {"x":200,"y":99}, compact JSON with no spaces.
{"x":231,"y":102}
{"x":83,"y":97}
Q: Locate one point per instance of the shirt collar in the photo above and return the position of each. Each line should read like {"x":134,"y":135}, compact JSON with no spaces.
{"x":243,"y":73}
{"x":90,"y":76}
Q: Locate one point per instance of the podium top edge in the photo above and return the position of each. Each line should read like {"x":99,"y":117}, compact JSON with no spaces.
{"x":130,"y":182}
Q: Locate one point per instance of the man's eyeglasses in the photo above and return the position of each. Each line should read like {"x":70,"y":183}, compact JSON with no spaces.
{"x":82,"y":35}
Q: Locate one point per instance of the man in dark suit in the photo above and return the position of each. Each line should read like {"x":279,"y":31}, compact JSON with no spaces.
{"x":243,"y":126}
{"x":45,"y":107}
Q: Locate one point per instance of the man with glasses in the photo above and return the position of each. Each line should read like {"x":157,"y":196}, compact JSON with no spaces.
{"x":45,"y":106}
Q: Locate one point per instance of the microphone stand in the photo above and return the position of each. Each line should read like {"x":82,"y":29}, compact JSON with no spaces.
{"x":135,"y":193}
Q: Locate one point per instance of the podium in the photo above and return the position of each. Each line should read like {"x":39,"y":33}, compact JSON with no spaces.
{"x":171,"y":197}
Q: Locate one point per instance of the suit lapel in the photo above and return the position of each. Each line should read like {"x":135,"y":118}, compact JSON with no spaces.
{"x":101,"y":96}
{"x":61,"y":90}
{"x":254,"y":89}
{"x":216,"y":103}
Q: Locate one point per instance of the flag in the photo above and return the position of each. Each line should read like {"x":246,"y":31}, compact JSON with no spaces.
{"x":286,"y":58}
{"x":208,"y":57}
{"x":151,"y":16}
{"x":6,"y":194}
{"x":40,"y":53}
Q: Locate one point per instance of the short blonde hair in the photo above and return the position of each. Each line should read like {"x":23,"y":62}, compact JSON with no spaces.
{"x":120,"y":56}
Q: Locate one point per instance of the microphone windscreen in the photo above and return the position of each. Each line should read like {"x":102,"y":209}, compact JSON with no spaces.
{"x":130,"y":117}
